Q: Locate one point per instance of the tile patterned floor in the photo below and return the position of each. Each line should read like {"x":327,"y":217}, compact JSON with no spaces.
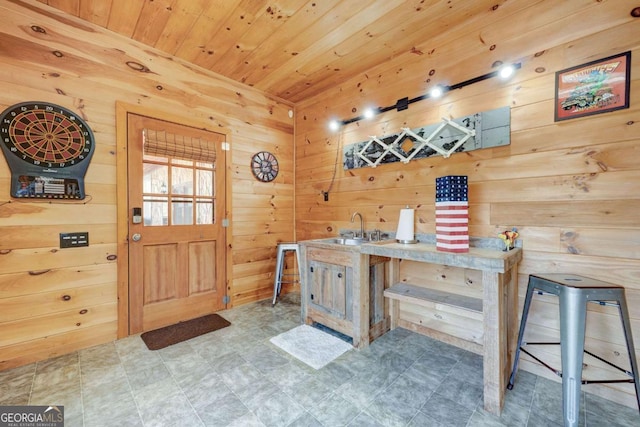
{"x":236,"y":377}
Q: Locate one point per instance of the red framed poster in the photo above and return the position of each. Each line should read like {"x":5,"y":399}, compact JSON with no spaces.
{"x":595,"y":87}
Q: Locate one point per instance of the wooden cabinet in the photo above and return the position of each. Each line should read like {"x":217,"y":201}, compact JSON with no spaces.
{"x":342,"y":289}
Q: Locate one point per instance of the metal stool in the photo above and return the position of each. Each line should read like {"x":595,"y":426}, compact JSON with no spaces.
{"x":277,"y":281}
{"x":574,"y":292}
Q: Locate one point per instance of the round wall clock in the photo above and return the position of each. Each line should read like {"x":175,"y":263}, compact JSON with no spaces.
{"x":264,"y":166}
{"x":48,"y":149}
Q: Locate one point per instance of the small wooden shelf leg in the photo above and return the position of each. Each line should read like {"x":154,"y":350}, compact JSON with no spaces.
{"x":394,"y":313}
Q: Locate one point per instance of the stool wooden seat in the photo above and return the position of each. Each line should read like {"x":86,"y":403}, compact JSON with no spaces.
{"x":574,"y":292}
{"x":279,"y":274}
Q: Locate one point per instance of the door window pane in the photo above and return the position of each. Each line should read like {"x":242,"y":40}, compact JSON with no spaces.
{"x":204,"y":186}
{"x":182,"y":180}
{"x":182,"y":162}
{"x":155,"y":210}
{"x":204,"y":165}
{"x":149,"y":157}
{"x":155,"y":178}
{"x":182,"y":211}
{"x":204,"y":214}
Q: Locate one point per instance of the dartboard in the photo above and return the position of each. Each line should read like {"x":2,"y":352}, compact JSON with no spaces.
{"x":45,"y":134}
{"x":264,"y":166}
{"x":47,"y":147}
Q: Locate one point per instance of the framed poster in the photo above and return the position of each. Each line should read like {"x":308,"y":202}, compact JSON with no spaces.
{"x":595,"y":87}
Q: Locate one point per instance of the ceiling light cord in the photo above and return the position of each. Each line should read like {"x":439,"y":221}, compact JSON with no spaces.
{"x":335,"y":169}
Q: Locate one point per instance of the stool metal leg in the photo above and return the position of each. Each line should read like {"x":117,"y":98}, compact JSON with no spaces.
{"x":299,"y":265}
{"x":278,"y":274}
{"x":283,"y":248}
{"x":523,"y":321}
{"x":573,"y":317}
{"x":626,"y":326}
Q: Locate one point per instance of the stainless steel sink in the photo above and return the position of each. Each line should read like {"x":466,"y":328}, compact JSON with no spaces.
{"x":348,"y":241}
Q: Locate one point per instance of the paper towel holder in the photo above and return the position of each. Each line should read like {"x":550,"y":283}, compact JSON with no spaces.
{"x":407,"y":242}
{"x":404,"y":240}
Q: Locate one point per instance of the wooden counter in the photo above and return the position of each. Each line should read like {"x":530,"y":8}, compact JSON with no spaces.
{"x":485,"y":258}
{"x":498,"y":306}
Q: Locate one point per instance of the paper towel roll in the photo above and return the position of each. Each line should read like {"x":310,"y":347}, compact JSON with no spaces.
{"x":405,"y":231}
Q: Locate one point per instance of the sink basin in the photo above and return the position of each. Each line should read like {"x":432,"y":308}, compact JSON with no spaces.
{"x":348,"y":241}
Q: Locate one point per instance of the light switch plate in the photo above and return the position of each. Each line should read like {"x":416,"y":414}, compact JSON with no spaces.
{"x":74,"y":240}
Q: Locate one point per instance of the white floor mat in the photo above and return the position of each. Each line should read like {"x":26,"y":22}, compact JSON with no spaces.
{"x":311,"y":346}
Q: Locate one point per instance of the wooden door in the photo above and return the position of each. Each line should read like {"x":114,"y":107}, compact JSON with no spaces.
{"x":328,"y":288}
{"x":176,"y":200}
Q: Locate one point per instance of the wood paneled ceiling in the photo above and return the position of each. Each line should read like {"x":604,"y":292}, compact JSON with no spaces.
{"x":292,"y":49}
{"x":295,"y":49}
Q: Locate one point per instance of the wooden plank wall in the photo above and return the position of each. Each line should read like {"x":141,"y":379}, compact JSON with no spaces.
{"x":571,"y":188}
{"x":49,"y":56}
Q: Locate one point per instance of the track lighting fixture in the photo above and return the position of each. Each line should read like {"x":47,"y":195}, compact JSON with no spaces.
{"x":369,"y":113}
{"x":401,"y":104}
{"x":436,"y":91}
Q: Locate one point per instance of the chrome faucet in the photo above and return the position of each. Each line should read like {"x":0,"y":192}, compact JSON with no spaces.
{"x":353,"y":217}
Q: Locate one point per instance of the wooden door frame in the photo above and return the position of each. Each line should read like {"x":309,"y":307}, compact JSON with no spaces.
{"x":122,"y":205}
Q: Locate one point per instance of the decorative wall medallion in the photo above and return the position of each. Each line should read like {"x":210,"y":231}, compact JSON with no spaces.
{"x":264,"y":166}
{"x":48,"y":149}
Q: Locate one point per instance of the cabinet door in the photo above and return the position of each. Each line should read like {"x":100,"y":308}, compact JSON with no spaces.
{"x":328,"y":288}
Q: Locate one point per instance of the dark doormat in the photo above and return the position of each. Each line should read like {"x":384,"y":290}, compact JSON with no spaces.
{"x":173,"y":334}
